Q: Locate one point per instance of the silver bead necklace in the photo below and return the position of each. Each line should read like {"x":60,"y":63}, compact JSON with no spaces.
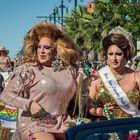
{"x":120,"y":77}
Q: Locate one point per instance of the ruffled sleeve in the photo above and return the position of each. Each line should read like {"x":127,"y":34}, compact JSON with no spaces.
{"x":17,"y":91}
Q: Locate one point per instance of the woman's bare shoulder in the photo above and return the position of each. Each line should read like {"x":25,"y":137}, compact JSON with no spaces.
{"x":137,"y":77}
{"x":132,"y":74}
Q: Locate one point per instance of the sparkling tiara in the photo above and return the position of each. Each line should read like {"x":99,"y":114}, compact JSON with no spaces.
{"x":125,"y":33}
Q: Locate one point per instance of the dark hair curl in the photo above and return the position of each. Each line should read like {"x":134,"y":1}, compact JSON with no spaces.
{"x":120,"y":41}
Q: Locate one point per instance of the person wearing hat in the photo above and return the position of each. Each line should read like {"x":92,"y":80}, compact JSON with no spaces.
{"x":5,"y":62}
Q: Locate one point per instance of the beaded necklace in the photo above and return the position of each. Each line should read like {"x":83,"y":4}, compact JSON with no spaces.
{"x":78,"y":99}
{"x":132,"y":133}
{"x":109,"y":117}
{"x":120,"y":77}
{"x":79,"y":94}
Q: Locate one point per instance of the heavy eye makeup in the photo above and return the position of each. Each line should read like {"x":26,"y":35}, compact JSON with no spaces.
{"x":44,"y":46}
{"x":118,"y":54}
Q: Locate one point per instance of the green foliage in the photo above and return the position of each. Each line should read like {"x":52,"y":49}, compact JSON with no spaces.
{"x":89,"y":29}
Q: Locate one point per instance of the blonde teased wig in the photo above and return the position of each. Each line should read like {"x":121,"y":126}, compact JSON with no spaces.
{"x":32,"y":38}
{"x":67,"y":50}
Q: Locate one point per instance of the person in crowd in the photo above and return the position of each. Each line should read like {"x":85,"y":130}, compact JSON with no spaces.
{"x":116,"y":95}
{"x":44,"y":85}
{"x":136,"y":63}
{"x":5,"y":62}
{"x":138,"y":66}
{"x":129,"y":63}
{"x":1,"y":83}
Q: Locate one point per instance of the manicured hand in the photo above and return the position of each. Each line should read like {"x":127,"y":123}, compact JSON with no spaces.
{"x":35,"y":109}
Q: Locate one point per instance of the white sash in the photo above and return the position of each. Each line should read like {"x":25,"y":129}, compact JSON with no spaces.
{"x":116,"y":91}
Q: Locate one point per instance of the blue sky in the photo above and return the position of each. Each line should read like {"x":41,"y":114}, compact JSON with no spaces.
{"x":18,"y":16}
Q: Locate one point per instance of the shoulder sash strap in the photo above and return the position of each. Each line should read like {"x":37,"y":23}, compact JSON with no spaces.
{"x":116,"y":91}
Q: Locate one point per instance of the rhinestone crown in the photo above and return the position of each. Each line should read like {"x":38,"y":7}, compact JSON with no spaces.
{"x":128,"y":35}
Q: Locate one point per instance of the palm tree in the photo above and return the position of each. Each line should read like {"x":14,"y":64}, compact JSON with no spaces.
{"x":88,"y":29}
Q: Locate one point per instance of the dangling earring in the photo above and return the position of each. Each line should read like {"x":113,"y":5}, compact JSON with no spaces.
{"x":125,"y":61}
{"x":57,"y":64}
